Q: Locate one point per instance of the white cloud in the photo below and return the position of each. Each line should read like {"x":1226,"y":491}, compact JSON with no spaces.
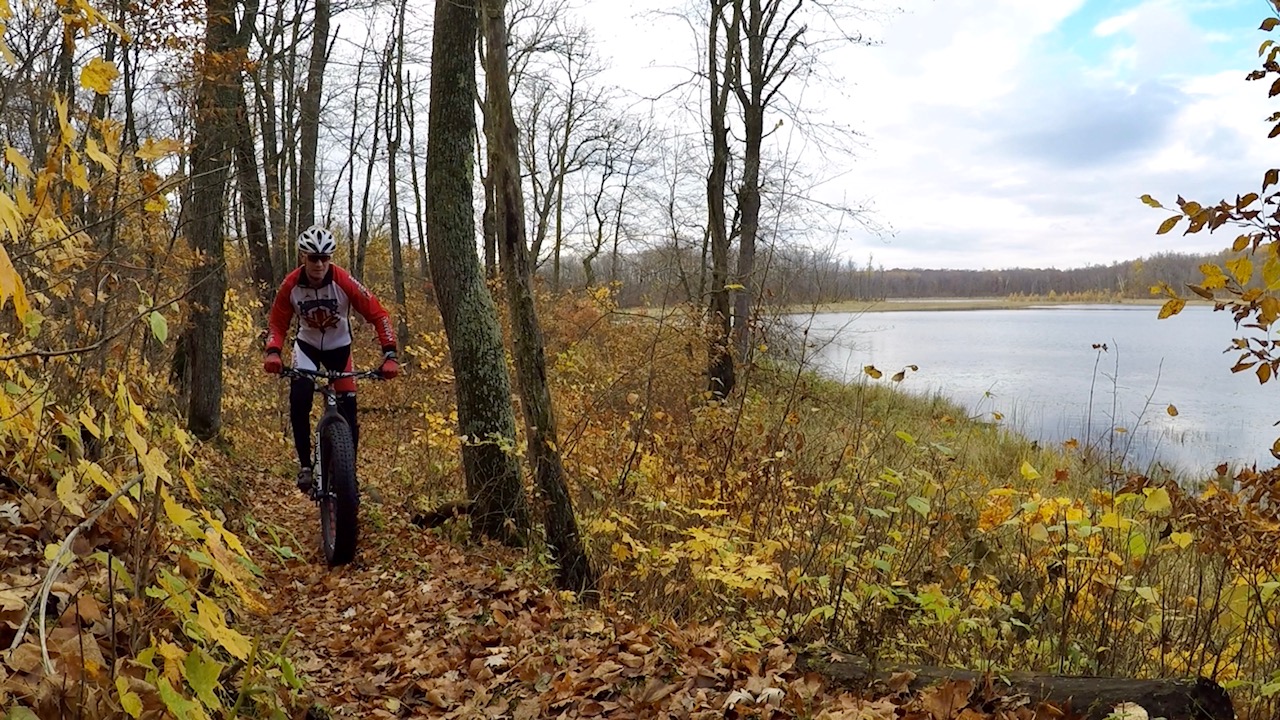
{"x":1003,"y":133}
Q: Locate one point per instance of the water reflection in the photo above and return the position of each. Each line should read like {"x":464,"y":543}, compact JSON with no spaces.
{"x":1045,"y":370}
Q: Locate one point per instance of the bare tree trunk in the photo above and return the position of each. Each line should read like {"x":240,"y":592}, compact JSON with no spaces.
{"x":289,"y":121}
{"x":773,"y":35}
{"x":271,"y":155}
{"x":351,"y":161}
{"x":417,"y":186}
{"x":394,"y":132}
{"x":574,"y":570}
{"x":255,"y":219}
{"x":362,"y":240}
{"x":499,"y":508}
{"x":310,"y":120}
{"x":720,"y":371}
{"x":214,"y":133}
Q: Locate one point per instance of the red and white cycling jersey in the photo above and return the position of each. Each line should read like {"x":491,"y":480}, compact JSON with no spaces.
{"x":323,"y":311}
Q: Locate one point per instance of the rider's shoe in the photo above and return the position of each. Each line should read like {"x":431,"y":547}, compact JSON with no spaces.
{"x":304,"y":480}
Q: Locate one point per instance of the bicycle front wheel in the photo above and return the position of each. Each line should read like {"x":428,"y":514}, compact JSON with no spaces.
{"x":339,"y":498}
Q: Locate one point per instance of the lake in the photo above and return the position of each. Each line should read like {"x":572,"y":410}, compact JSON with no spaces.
{"x":1038,"y":368}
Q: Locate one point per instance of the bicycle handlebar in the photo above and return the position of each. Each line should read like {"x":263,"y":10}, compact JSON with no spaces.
{"x":330,"y":375}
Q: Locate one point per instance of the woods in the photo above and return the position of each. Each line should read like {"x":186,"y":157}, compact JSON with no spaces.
{"x":684,"y":491}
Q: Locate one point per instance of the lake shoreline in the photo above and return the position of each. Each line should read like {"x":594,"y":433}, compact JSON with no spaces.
{"x":956,"y":304}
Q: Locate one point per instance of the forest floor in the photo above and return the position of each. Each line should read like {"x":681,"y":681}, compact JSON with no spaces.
{"x":426,"y":623}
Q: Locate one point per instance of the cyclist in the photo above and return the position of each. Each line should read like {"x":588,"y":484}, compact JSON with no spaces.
{"x":322,"y":296}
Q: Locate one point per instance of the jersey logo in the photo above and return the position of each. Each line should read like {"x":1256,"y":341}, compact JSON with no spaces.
{"x":321,"y":314}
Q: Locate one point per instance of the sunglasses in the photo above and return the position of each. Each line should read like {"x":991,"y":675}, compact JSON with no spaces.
{"x":318,"y":257}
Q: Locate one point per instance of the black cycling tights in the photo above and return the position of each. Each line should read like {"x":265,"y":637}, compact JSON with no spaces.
{"x":301,"y":395}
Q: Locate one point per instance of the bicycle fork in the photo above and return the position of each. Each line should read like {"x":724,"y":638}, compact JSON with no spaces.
{"x":319,"y":486}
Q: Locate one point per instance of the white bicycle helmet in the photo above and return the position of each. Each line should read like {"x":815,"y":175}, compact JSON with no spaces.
{"x":316,"y":240}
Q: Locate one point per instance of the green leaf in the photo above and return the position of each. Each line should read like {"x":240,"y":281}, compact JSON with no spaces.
{"x":181,"y":707}
{"x":202,"y":674}
{"x":32,"y":322}
{"x":159,"y":326}
{"x":1138,"y":545}
{"x":289,"y":673}
{"x":18,"y":712}
{"x":129,"y":700}
{"x":920,"y":505}
{"x":906,"y":437}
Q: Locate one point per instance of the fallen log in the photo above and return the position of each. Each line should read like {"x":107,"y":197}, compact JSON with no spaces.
{"x":439,"y":516}
{"x":1093,"y":698}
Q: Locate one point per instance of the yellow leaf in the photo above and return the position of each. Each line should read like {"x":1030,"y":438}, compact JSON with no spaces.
{"x":1114,"y":521}
{"x":19,"y":163}
{"x":1167,"y":225}
{"x":1181,"y":539}
{"x":68,"y":132}
{"x":227,"y":536}
{"x":1172,"y":307}
{"x":5,"y":52}
{"x":94,"y":472}
{"x":1039,"y":533}
{"x":95,"y":153}
{"x":10,"y":282}
{"x":68,"y":496}
{"x":98,"y":75}
{"x":153,"y":149}
{"x":190,"y":482}
{"x":231,"y":571}
{"x":1157,"y":501}
{"x":156,"y":204}
{"x":213,"y":621}
{"x":1028,"y":471}
{"x":87,"y":421}
{"x":1241,"y":268}
{"x":1150,"y":201}
{"x":79,"y":174}
{"x":1269,"y":310}
{"x":173,"y":659}
{"x":1173,"y":411}
{"x":182,"y":517}
{"x":1271,"y":272}
{"x":1241,"y":243}
{"x":5,"y":11}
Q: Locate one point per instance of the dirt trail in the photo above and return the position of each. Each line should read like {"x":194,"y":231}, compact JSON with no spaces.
{"x":422,"y":626}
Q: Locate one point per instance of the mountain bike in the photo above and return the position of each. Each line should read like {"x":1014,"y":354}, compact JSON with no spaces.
{"x":333,"y":469}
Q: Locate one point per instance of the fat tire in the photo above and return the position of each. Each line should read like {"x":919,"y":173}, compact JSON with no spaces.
{"x":340,"y":501}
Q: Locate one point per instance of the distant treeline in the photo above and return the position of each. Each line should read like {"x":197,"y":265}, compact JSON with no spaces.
{"x":794,"y":276}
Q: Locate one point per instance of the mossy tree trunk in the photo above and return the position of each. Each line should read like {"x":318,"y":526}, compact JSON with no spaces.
{"x":485,"y":416}
{"x":563,"y":538}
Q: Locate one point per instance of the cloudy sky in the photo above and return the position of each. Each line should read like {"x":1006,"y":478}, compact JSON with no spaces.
{"x":1002,"y":133}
